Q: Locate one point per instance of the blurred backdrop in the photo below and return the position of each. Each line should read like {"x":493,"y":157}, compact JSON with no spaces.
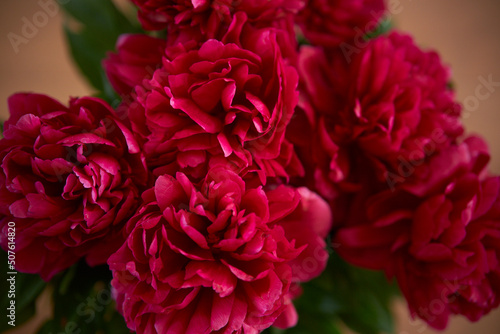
{"x":465,"y":33}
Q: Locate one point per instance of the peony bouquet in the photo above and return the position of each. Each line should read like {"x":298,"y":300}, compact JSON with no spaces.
{"x":246,"y":166}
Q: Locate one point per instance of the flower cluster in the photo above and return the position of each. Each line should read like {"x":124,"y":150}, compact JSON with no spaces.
{"x":244,"y":140}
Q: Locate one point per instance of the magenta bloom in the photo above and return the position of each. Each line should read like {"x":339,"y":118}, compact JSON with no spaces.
{"x":438,"y":234}
{"x":224,"y":103}
{"x":209,"y":15}
{"x":391,"y":103}
{"x":136,"y":59}
{"x":69,"y":179}
{"x":329,"y":23}
{"x":218,"y":257}
{"x":398,"y":96}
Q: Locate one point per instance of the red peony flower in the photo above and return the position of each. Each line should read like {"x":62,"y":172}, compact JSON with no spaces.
{"x":224,"y":103}
{"x":137,"y":58}
{"x":438,"y":233}
{"x":323,"y":93}
{"x":399,"y":95}
{"x":69,"y":180}
{"x":217,"y":257}
{"x":390,"y":104}
{"x":329,"y":23}
{"x":209,"y":15}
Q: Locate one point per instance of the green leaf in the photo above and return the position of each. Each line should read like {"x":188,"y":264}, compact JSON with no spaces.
{"x":98,"y":15}
{"x":370,"y":317}
{"x":301,"y":39}
{"x":83,"y":303}
{"x":366,"y":297}
{"x":99,"y":23}
{"x":311,"y":323}
{"x":27,"y":289}
{"x":66,"y":279}
{"x":384,"y":27}
{"x":343,"y":293}
{"x":49,"y":327}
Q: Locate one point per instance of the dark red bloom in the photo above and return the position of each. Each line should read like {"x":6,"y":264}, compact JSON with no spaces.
{"x":217,"y":257}
{"x":398,"y":95}
{"x":69,"y":179}
{"x":391,"y":103}
{"x":209,"y":15}
{"x":438,"y":233}
{"x":329,"y":23}
{"x":137,"y":57}
{"x":223,"y":102}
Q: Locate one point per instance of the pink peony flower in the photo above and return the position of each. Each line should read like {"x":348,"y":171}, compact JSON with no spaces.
{"x":329,"y":23}
{"x":438,"y":234}
{"x":223,"y":102}
{"x":136,"y":59}
{"x":209,"y":15}
{"x":217,"y":257}
{"x":69,"y":180}
{"x":391,"y":103}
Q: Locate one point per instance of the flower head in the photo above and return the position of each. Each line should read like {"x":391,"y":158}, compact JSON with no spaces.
{"x":391,"y":103}
{"x":329,"y":23}
{"x":224,"y":102}
{"x":438,"y":234}
{"x":210,"y":15}
{"x":217,"y":257}
{"x":136,"y":59}
{"x":70,"y":178}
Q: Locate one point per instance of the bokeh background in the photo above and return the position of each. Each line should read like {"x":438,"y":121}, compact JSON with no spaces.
{"x":465,"y":33}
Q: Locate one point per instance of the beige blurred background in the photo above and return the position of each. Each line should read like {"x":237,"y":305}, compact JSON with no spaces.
{"x":466,"y":34}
